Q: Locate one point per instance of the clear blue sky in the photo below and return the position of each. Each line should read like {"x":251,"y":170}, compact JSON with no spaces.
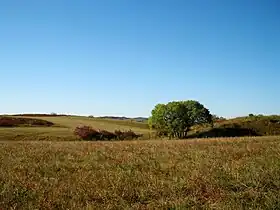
{"x":121,"y":57}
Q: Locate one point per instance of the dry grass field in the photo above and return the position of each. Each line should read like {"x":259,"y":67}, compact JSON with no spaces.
{"x":64,"y":127}
{"x":233,"y":173}
{"x":49,"y":168}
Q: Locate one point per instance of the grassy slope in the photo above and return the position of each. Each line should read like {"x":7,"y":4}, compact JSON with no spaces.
{"x":256,"y":126}
{"x":229,"y":173}
{"x":67,"y":125}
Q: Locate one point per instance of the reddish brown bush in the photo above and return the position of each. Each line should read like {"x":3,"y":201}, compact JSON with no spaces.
{"x":87,"y":133}
{"x":126,"y":135}
{"x":129,"y":135}
{"x":106,"y":135}
{"x":14,"y":122}
{"x":119,"y":134}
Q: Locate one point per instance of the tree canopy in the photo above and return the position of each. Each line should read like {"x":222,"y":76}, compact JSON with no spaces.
{"x":175,"y":118}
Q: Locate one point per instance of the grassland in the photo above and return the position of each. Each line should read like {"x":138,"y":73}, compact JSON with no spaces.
{"x":49,"y":168}
{"x":233,"y":173}
{"x":64,"y":127}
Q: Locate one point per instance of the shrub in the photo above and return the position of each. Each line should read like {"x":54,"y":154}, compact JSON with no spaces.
{"x":129,"y":135}
{"x":119,"y":134}
{"x":106,"y":135}
{"x":126,"y":135}
{"x":87,"y":133}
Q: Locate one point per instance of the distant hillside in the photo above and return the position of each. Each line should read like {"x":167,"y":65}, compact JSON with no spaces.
{"x":23,"y":122}
{"x":241,"y":126}
{"x":138,"y":119}
{"x":253,"y":125}
{"x":40,"y":115}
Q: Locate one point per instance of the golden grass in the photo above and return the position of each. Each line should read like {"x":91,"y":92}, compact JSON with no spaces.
{"x":64,"y":127}
{"x":234,"y":173}
{"x":108,"y":124}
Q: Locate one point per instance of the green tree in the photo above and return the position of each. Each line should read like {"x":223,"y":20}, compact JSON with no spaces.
{"x":175,"y":118}
{"x":157,"y":119}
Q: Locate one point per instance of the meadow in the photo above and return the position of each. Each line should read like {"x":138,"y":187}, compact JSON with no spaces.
{"x":64,"y":127}
{"x":47,"y":168}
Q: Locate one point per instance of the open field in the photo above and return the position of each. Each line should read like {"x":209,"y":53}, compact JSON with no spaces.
{"x":64,"y":127}
{"x":50,"y":168}
{"x":232,"y":173}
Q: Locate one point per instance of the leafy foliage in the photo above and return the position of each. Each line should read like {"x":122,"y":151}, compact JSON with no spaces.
{"x":175,"y":118}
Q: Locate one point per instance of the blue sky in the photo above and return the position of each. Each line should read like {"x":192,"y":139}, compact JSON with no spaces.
{"x":122,"y":57}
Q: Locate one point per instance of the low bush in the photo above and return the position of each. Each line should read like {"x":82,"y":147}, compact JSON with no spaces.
{"x":88,"y":133}
{"x":106,"y":135}
{"x":126,"y":135}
